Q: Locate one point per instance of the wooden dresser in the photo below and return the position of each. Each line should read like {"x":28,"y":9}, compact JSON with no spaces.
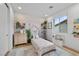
{"x":20,"y":38}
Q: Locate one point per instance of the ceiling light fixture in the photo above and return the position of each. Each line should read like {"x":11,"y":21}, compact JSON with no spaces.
{"x":19,"y":8}
{"x":46,"y":15}
{"x":50,"y":7}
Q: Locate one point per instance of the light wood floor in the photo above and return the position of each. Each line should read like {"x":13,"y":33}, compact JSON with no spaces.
{"x":71,"y":51}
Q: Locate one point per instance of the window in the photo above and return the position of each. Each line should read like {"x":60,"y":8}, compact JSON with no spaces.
{"x":63,"y":18}
{"x":61,"y":22}
{"x":59,"y":19}
{"x":56,"y":21}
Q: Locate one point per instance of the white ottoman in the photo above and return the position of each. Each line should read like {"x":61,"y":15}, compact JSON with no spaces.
{"x":42,"y":46}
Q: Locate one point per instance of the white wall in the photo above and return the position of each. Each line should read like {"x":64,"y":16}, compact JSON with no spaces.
{"x":54,"y":29}
{"x":3,"y":30}
{"x":29,"y":20}
{"x":6,"y":29}
{"x":71,"y":41}
{"x":11,"y":26}
{"x":72,"y":13}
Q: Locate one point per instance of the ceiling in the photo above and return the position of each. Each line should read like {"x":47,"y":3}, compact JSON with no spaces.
{"x":39,"y":10}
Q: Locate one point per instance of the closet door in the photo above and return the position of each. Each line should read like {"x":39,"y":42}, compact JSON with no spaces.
{"x":4,"y":29}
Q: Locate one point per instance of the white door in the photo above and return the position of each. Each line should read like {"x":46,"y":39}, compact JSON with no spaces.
{"x":4,"y":29}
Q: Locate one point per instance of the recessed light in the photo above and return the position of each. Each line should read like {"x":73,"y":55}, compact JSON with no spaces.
{"x":46,"y":15}
{"x":50,"y":7}
{"x":19,"y":8}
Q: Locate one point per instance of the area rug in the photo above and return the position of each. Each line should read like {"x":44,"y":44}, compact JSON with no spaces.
{"x":30,"y":51}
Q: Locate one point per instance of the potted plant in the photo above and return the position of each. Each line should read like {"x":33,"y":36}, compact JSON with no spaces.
{"x":74,"y":33}
{"x":78,"y":34}
{"x":29,"y":35}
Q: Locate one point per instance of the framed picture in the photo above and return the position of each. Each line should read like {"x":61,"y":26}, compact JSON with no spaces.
{"x":49,"y":25}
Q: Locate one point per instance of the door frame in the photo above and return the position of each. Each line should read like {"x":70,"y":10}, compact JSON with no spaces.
{"x":9,"y":18}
